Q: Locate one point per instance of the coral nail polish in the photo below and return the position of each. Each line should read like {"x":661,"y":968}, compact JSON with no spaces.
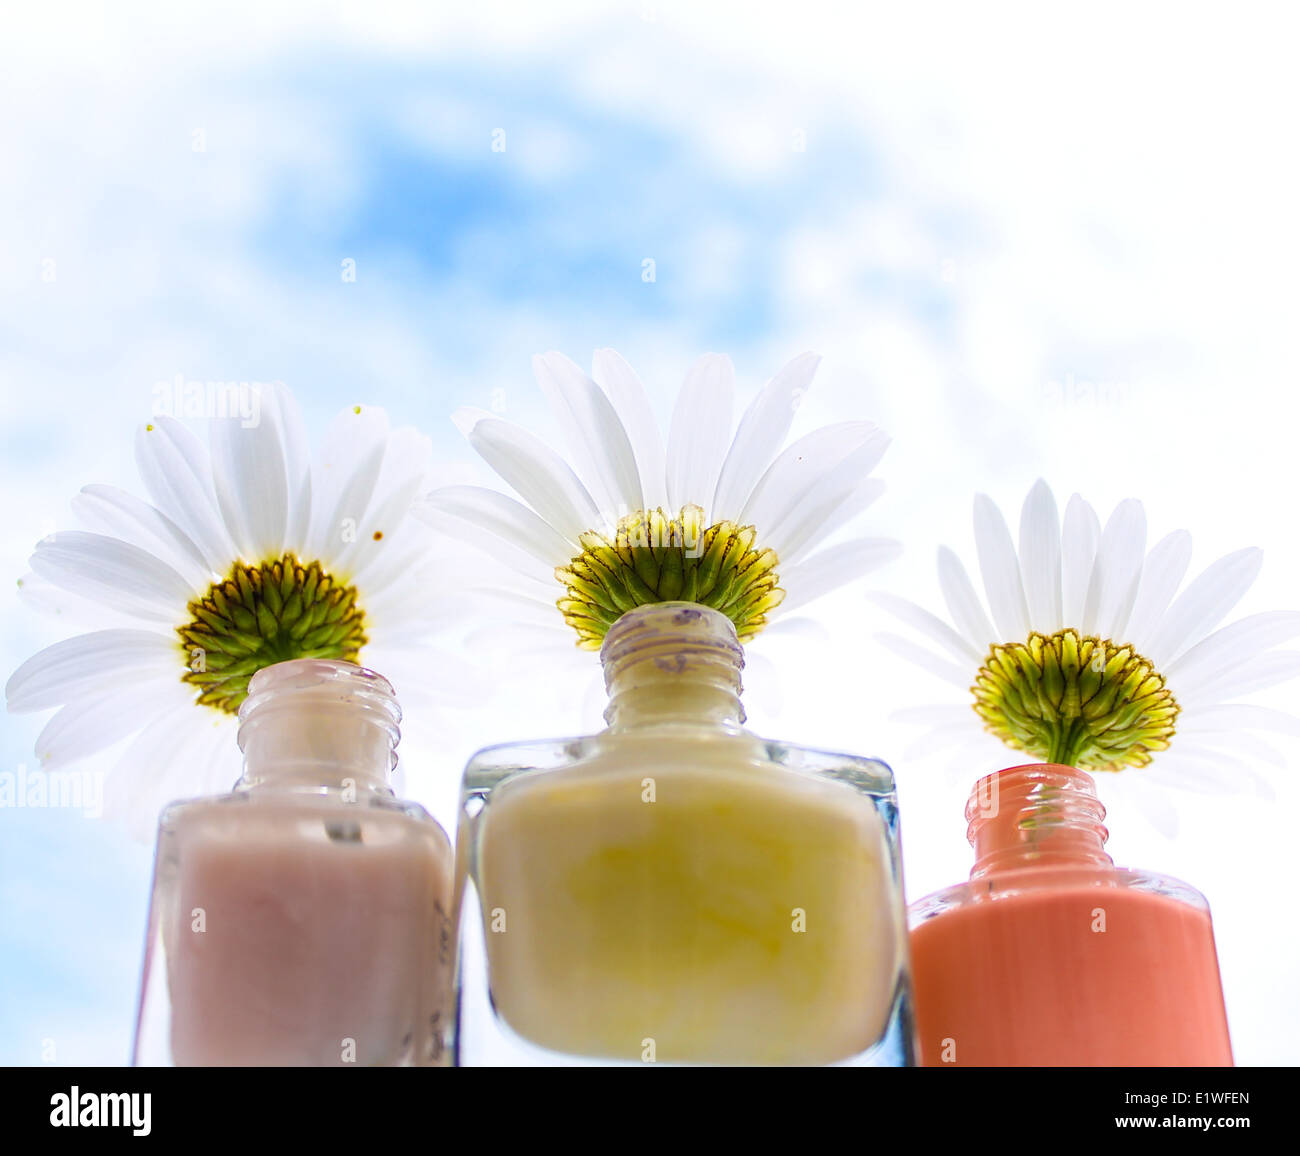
{"x":1051,"y":955}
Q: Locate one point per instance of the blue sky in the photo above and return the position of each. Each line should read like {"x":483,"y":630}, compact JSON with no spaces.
{"x":960,"y":220}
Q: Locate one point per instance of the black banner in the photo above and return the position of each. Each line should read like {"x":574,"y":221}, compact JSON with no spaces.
{"x":372,"y":1107}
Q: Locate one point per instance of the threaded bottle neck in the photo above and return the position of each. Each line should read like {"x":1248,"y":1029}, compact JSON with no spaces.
{"x":673,"y":662}
{"x":1042,"y":814}
{"x":312,"y":723}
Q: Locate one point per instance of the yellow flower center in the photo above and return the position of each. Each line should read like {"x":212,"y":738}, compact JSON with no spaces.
{"x":654,"y":558}
{"x":1083,"y":702}
{"x":262,"y":615}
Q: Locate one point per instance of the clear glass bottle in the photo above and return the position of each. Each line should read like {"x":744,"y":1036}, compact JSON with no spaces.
{"x":302,"y":919}
{"x":1052,"y":956}
{"x":675,"y":889}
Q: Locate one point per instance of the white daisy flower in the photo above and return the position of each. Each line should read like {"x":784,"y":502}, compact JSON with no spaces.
{"x":729,"y":519}
{"x":1088,"y":653}
{"x":246,"y":554}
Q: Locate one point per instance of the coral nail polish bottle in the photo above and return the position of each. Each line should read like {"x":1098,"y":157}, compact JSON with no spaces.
{"x":1050,"y":955}
{"x":675,"y":889}
{"x":302,"y":919}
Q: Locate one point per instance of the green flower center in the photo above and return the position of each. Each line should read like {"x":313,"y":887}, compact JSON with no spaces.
{"x":655,"y":558}
{"x":1081,"y":702}
{"x":262,"y":615}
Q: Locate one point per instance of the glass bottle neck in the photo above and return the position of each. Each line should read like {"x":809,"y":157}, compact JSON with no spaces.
{"x":312,"y":723}
{"x":1043,"y":814}
{"x":673,"y":662}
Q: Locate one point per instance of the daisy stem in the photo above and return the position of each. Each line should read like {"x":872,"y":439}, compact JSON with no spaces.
{"x":1062,"y":746}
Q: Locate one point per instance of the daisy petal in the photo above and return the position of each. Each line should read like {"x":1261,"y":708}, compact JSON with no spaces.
{"x":1000,"y":570}
{"x":501,"y":515}
{"x":538,"y":475}
{"x":700,"y":428}
{"x":515,"y":606}
{"x":148,"y":775}
{"x":116,"y":573}
{"x":1040,"y":558}
{"x":761,"y":433}
{"x":73,"y":610}
{"x":1204,"y":771}
{"x":403,"y":613}
{"x":637,"y":416}
{"x":1204,"y":604}
{"x":859,"y":499}
{"x":944,"y":668}
{"x":799,"y":626}
{"x":91,"y":723}
{"x":383,"y":524}
{"x":947,"y":714}
{"x":250,"y":476}
{"x":928,"y":624}
{"x":177,"y":472}
{"x":297,"y":465}
{"x":1266,"y":670}
{"x":963,"y":603}
{"x":595,"y":433}
{"x":1233,"y":646}
{"x":1119,"y":568}
{"x":794,"y":529}
{"x":86,"y":664}
{"x":833,"y":567}
{"x":347,"y":470}
{"x":1162,"y":573}
{"x":1242,"y":744}
{"x":1080,"y":532}
{"x":779,"y":499}
{"x":117,"y":514}
{"x":1234,"y":717}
